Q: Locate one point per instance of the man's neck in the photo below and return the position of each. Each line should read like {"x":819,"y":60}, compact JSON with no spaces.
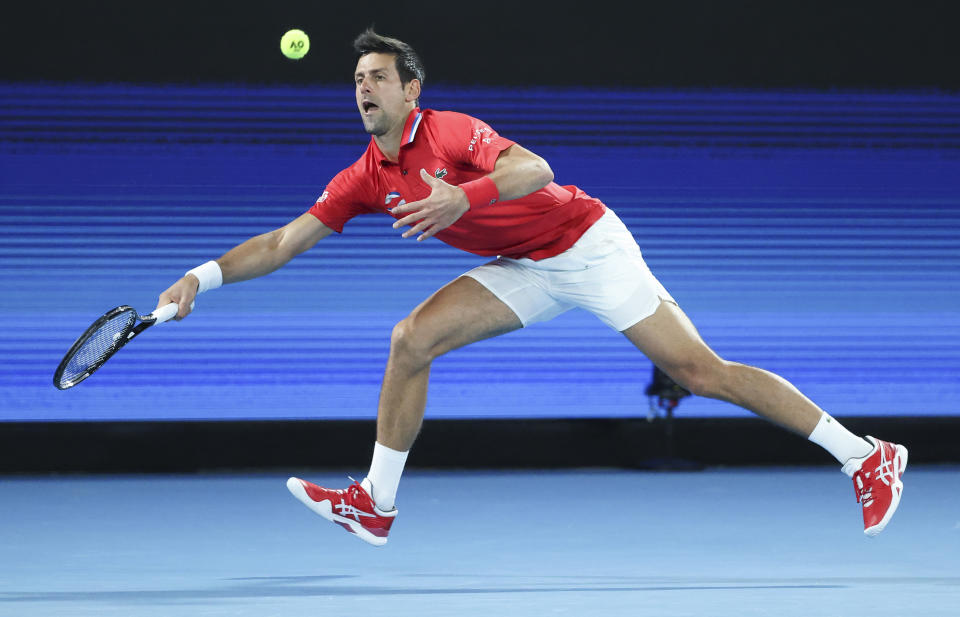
{"x":389,"y":145}
{"x":389,"y":142}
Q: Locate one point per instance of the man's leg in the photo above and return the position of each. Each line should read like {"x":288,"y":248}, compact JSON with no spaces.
{"x":669,"y":339}
{"x":460,"y":313}
{"x":671,"y":342}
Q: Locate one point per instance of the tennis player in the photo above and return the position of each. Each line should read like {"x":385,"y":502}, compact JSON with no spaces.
{"x":448,"y":175}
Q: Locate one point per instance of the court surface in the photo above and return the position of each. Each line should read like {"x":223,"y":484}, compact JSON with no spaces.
{"x":778,"y":542}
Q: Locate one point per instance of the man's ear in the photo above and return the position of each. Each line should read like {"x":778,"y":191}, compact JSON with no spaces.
{"x":412,"y":90}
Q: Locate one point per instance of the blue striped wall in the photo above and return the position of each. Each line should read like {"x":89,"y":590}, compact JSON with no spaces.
{"x":813,"y":234}
{"x":135,"y":114}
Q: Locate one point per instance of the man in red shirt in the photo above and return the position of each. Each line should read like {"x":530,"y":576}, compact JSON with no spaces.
{"x":451,"y":176}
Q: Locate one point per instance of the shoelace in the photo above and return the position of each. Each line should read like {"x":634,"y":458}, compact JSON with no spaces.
{"x":346,"y":509}
{"x":862,"y":489}
{"x":354,"y":488}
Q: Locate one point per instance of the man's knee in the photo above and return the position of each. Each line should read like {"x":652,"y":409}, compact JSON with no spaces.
{"x":412,"y":343}
{"x":703,"y":378}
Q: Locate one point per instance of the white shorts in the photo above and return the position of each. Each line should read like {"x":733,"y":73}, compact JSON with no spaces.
{"x":603,"y":273}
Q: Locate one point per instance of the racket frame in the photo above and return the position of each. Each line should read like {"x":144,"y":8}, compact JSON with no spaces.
{"x":127,"y":335}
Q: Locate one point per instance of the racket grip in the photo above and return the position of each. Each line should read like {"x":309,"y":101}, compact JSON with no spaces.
{"x":168,"y":312}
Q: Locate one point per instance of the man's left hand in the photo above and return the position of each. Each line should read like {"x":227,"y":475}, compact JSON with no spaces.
{"x":441,"y":209}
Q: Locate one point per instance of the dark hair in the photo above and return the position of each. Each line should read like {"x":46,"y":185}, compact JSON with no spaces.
{"x":408,"y":63}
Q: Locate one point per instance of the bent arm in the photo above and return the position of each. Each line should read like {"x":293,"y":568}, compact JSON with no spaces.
{"x":516,"y":173}
{"x":519,"y":172}
{"x":257,"y":256}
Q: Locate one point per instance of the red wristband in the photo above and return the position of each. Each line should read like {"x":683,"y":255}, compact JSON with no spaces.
{"x":481,"y":192}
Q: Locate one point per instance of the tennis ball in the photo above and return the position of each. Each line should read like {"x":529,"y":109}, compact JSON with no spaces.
{"x":295,"y":44}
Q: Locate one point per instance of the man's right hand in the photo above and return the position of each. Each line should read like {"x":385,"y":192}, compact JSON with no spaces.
{"x":183,"y":293}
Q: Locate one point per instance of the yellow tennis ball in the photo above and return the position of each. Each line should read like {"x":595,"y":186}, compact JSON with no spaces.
{"x":295,"y":44}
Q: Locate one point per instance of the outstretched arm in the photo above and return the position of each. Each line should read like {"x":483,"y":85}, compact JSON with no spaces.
{"x":517,"y":173}
{"x":257,"y":256}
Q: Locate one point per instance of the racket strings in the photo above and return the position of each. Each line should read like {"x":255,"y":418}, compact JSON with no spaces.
{"x":98,"y":346}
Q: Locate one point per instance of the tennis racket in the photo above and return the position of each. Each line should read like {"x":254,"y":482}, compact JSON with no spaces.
{"x":105,"y":337}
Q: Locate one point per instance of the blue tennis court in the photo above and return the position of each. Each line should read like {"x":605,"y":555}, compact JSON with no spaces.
{"x":720,"y":542}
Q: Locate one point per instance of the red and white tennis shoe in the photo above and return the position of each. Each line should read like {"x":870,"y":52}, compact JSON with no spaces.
{"x":877,"y":484}
{"x":352,"y":508}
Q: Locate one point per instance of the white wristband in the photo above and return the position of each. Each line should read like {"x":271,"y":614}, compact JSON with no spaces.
{"x":209,"y":275}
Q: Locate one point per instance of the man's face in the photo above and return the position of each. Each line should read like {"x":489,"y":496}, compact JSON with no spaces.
{"x":381,"y":98}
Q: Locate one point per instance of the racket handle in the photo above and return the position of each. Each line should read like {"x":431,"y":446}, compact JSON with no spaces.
{"x":168,"y":312}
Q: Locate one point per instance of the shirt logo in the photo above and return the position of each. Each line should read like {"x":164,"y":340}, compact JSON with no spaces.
{"x":478,"y":136}
{"x":390,"y":197}
{"x":440,"y":172}
{"x":323,"y":197}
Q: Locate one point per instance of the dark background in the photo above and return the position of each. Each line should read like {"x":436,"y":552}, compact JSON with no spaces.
{"x":680,"y":43}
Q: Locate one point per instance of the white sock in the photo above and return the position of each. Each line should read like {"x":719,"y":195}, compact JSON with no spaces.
{"x":384,"y":477}
{"x":838,"y":441}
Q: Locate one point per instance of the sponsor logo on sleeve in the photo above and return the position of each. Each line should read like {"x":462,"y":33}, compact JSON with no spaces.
{"x":478,"y":136}
{"x":323,"y":197}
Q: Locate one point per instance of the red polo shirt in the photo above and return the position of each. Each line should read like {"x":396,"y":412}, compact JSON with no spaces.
{"x":459,"y":148}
